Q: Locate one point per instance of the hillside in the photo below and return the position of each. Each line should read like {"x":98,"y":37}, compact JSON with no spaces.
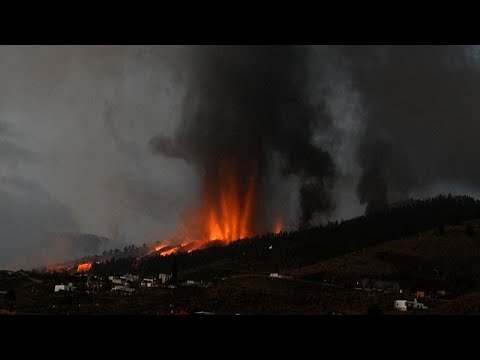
{"x":426,"y":260}
{"x":430,"y":246}
{"x":287,"y":252}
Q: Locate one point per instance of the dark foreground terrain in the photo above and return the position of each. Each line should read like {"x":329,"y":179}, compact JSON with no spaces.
{"x":426,"y":262}
{"x":366,"y":265}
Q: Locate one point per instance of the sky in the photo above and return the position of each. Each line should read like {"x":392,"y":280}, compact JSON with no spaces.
{"x":76,"y":122}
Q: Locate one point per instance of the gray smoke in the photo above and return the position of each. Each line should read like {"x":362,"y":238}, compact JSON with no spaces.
{"x":74,"y":121}
{"x":420,"y":120}
{"x":76,"y":128}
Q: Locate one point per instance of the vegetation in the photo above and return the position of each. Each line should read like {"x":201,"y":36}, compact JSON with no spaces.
{"x":291,"y":250}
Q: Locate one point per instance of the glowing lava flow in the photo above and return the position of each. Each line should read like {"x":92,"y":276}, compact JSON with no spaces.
{"x":278,"y":226}
{"x":85,"y":267}
{"x":227,"y":212}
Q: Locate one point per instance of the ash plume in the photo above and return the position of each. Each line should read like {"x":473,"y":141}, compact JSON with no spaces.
{"x":245,"y":102}
{"x":420,"y":118}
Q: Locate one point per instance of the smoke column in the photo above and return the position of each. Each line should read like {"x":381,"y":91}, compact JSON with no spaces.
{"x":245,"y":103}
{"x":420,"y":118}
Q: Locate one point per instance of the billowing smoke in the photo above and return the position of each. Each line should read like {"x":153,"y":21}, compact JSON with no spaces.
{"x":400,"y":121}
{"x":74,"y":121}
{"x":420,"y":119}
{"x":245,"y":103}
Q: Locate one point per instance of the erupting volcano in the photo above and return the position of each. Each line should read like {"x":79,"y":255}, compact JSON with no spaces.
{"x":227,"y":211}
{"x":245,"y":106}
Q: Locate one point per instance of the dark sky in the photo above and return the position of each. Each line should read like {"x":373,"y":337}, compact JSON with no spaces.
{"x":76,"y":121}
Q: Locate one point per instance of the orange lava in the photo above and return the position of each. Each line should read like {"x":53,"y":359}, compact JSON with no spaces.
{"x":85,"y":267}
{"x":227,"y":209}
{"x":278,"y":225}
{"x":169,"y":252}
{"x":226,"y":212}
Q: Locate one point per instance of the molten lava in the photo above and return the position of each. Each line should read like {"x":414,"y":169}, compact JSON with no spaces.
{"x":227,"y":211}
{"x":278,"y":226}
{"x":85,"y":267}
{"x":169,"y":251}
{"x":228,"y":205}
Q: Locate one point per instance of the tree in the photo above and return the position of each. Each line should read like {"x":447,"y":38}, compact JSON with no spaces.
{"x":11,"y":298}
{"x":470,"y":230}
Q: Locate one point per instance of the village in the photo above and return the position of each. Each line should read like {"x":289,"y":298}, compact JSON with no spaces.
{"x":163,"y":294}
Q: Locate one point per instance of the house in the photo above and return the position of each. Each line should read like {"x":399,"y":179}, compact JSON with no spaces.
{"x":400,"y":305}
{"x":164,"y":278}
{"x":416,"y":305}
{"x":147,"y":282}
{"x":63,"y":287}
{"x":404,"y":305}
{"x":127,"y":277}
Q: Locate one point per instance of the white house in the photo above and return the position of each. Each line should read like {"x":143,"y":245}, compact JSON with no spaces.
{"x":164,"y":278}
{"x":63,"y":287}
{"x":416,"y":305}
{"x":400,"y":305}
{"x":403,"y":305}
{"x":147,"y":282}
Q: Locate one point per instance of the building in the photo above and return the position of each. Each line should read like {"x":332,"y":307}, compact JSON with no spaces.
{"x":400,"y":305}
{"x":127,"y":277}
{"x":147,"y":282}
{"x":416,"y":305}
{"x":63,"y":287}
{"x":404,"y":305}
{"x":164,"y":278}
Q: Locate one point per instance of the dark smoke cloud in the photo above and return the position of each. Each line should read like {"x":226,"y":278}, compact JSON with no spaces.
{"x":166,"y":146}
{"x":420,"y":118}
{"x":245,"y":102}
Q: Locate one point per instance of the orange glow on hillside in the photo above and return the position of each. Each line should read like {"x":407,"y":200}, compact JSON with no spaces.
{"x":85,"y":267}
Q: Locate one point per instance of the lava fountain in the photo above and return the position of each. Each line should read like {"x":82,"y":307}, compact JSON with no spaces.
{"x":244,"y":106}
{"x":227,"y":212}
